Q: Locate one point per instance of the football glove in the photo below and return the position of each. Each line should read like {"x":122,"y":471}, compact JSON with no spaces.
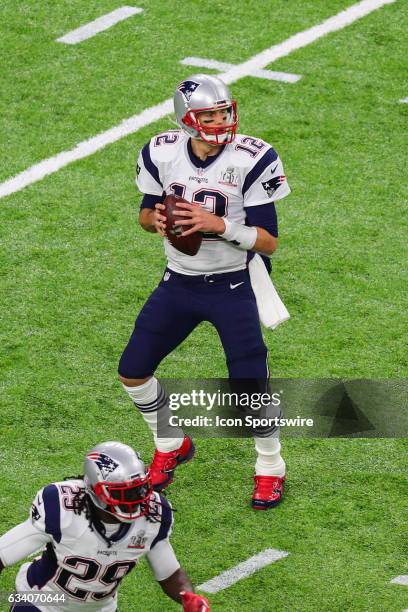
{"x":193,"y":602}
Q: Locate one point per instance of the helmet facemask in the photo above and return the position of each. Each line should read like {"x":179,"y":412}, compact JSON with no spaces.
{"x":217,"y":134}
{"x":126,"y":501}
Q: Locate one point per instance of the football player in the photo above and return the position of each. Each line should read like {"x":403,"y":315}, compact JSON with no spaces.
{"x":232,"y":181}
{"x":93,"y":530}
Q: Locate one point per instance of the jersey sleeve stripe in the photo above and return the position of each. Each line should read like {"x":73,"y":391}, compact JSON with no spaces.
{"x":149,"y":165}
{"x":149,"y":201}
{"x":52,"y":512}
{"x":267,"y":159}
{"x":42,"y":570}
{"x":166,"y":521}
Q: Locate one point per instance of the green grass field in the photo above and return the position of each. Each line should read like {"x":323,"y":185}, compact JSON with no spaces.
{"x":76,"y":269}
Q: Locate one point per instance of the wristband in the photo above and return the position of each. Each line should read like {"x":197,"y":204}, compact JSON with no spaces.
{"x":242,"y":236}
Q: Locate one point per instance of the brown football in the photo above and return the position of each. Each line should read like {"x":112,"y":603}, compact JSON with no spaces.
{"x":188,"y":245}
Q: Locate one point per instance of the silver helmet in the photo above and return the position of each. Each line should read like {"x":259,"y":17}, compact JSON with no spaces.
{"x":117,"y":481}
{"x":199,"y":93}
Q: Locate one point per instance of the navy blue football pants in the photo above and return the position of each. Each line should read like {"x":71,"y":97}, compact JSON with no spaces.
{"x":179,"y":304}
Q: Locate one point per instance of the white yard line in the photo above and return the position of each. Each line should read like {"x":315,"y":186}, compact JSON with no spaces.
{"x":403,"y":580}
{"x":242,"y":570}
{"x":99,"y":25}
{"x":404,"y":101}
{"x":302,"y":39}
{"x":201,"y":62}
{"x":133,"y":124}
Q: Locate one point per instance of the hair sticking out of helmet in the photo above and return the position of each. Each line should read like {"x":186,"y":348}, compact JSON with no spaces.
{"x":198,"y":97}
{"x":117,"y":481}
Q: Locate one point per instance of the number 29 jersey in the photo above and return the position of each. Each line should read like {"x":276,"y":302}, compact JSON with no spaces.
{"x":247,"y":172}
{"x":79,"y":563}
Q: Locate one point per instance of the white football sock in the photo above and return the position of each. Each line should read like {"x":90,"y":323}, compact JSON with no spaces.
{"x":269,"y":461}
{"x":152,"y":402}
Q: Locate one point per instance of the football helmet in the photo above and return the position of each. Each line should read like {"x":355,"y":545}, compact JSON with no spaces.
{"x":199,"y":93}
{"x":117,"y":481}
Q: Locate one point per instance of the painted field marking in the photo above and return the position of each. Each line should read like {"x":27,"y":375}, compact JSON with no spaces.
{"x":99,"y":25}
{"x":404,"y":101}
{"x":242,"y":570}
{"x":403,"y":580}
{"x":154,"y":113}
{"x":285,"y":77}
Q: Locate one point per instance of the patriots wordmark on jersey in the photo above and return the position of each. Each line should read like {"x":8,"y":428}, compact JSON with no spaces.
{"x":245,"y":173}
{"x":85,"y":561}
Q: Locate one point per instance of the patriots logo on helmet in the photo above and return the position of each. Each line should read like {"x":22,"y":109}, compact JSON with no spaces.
{"x":187,"y":88}
{"x":105,"y":463}
{"x":273,"y":184}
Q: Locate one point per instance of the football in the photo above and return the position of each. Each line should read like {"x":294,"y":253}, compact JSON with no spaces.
{"x":189,"y":245}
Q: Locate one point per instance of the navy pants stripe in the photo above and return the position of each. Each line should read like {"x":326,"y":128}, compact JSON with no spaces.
{"x":179,"y":304}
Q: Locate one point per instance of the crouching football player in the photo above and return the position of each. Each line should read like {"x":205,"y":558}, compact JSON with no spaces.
{"x":93,"y":530}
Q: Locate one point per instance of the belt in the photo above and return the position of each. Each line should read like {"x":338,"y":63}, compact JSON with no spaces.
{"x":209,"y":278}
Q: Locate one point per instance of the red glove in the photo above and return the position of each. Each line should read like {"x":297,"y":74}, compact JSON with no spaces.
{"x":193,"y":602}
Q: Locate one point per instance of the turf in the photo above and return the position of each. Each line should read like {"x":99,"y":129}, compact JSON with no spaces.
{"x":76,"y":268}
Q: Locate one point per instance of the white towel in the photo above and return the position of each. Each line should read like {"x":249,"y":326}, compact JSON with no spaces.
{"x":272,"y":311}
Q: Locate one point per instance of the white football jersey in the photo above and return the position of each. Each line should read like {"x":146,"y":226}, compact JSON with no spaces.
{"x":247,"y":172}
{"x":78,"y":562}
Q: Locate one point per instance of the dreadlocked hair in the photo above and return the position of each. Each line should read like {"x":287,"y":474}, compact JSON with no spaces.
{"x":82,"y":503}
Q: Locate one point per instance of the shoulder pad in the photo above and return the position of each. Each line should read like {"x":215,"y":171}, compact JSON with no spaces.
{"x":53,"y":508}
{"x":46,"y":511}
{"x":165,"y":145}
{"x":247,"y":151}
{"x":250,"y":140}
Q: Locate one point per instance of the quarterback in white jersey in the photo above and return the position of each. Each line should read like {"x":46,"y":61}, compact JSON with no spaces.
{"x":230,"y":183}
{"x":246,"y":173}
{"x":93,"y":531}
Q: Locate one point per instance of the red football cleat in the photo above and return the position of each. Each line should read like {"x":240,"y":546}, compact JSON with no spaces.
{"x":163,"y":465}
{"x":268,"y":492}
